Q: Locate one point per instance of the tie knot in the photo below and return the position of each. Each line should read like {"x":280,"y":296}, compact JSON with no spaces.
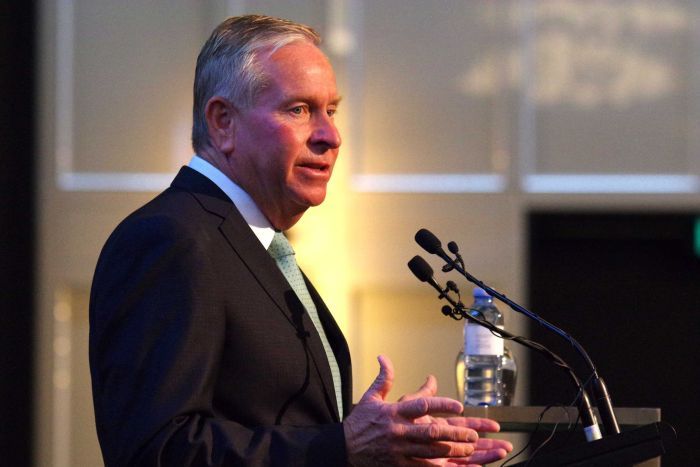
{"x":280,"y":246}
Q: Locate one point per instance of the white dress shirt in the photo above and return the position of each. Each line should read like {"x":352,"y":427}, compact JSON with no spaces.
{"x":256,"y":220}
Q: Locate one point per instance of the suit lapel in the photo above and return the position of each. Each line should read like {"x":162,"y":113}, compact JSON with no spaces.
{"x":237,"y":234}
{"x":244,"y":243}
{"x":261,"y":265}
{"x":339,"y":345}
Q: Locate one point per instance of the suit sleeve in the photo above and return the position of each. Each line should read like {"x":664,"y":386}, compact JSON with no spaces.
{"x":156,"y":340}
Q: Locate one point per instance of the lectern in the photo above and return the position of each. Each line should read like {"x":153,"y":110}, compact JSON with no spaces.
{"x":642,"y":440}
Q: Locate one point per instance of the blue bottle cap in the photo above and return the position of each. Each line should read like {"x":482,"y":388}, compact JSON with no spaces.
{"x":481,"y":293}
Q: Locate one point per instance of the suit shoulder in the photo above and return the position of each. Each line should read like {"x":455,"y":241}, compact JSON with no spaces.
{"x":174,"y":220}
{"x":172,"y":210}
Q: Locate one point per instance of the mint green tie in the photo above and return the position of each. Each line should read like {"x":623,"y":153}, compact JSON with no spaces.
{"x":283,"y":253}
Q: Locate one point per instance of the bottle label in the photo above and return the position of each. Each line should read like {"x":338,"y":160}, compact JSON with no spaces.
{"x":479,"y":341}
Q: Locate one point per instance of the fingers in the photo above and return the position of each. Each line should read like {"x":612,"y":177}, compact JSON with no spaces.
{"x":488,"y":450}
{"x":420,"y":406}
{"x":482,"y":425}
{"x":431,"y":432}
{"x":382,"y":384}
{"x":450,"y":443}
{"x":423,"y":462}
{"x":438,"y":450}
{"x":428,"y":389}
{"x":485,"y":457}
{"x":476,"y":459}
{"x":486,"y":444}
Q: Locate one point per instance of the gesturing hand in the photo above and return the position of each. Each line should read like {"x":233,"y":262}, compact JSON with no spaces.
{"x":407,"y":432}
{"x":485,"y":450}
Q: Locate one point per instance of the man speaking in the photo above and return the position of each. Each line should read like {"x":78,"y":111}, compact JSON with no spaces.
{"x":208,"y":345}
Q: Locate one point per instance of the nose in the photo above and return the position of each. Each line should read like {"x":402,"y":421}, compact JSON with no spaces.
{"x":325,"y":134}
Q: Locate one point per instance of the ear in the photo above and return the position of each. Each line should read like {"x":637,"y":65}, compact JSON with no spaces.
{"x":219,"y":113}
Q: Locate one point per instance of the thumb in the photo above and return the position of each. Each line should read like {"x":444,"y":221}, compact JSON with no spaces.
{"x":382,"y":384}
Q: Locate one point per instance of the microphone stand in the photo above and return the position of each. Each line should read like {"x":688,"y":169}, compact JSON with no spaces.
{"x":422,"y":270}
{"x":431,"y":244}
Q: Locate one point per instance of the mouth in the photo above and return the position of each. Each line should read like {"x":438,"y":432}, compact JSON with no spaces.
{"x":316,"y":167}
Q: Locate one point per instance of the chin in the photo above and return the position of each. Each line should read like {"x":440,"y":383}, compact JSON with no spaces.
{"x":313,"y":198}
{"x":317,"y":200}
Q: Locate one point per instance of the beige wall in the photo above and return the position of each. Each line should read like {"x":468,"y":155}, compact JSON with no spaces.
{"x":458,"y":116}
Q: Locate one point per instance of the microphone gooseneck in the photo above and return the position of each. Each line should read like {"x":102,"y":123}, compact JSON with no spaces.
{"x":430,"y":243}
{"x":422,"y":270}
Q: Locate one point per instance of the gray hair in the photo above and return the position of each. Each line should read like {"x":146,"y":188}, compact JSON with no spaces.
{"x":228,"y":64}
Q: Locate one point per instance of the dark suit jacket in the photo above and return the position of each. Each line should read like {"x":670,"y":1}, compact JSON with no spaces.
{"x":200,"y":352}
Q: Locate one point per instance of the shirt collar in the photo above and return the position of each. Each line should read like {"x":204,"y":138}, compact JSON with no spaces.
{"x":255,"y":219}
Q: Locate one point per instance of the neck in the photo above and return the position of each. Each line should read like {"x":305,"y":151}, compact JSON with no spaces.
{"x":213,"y":156}
{"x":278,"y":217}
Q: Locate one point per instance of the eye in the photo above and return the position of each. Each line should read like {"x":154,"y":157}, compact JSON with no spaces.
{"x":298,"y":110}
{"x":331,"y":112}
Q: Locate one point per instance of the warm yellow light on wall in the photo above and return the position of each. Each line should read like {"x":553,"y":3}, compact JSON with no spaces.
{"x":321,"y":242}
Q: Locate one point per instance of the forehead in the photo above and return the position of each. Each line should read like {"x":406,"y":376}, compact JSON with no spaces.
{"x":298,"y":67}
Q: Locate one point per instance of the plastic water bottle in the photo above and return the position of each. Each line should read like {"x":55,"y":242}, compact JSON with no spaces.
{"x":509,"y":375}
{"x":485,"y":367}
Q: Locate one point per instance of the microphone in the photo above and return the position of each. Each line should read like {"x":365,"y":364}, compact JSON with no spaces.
{"x":454,"y":249}
{"x":430,"y":243}
{"x":422,"y":270}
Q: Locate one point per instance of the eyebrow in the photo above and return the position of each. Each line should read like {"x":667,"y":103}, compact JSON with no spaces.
{"x":334,"y":101}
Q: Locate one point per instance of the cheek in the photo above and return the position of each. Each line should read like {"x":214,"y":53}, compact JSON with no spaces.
{"x":289,"y":145}
{"x":288,"y":136}
{"x":277,"y":144}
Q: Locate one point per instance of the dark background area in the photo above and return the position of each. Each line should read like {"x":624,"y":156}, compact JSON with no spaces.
{"x":17,"y":224}
{"x":627,"y":287}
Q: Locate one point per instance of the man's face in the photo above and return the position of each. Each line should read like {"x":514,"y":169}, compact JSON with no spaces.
{"x":286,"y":144}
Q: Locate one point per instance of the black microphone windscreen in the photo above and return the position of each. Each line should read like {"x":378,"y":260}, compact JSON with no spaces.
{"x":420,"y":268}
{"x":428,"y":241}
